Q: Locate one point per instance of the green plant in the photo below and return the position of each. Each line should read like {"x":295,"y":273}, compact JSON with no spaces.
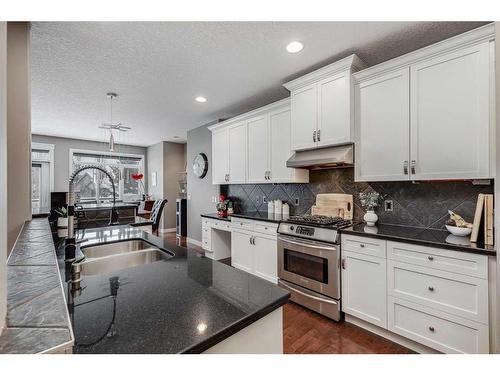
{"x":62,"y":211}
{"x":370,"y":200}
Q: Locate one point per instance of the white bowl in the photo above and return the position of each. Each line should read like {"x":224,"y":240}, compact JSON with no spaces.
{"x":461,"y":232}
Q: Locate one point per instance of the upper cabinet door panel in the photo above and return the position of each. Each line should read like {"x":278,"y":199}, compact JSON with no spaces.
{"x":304,"y":117}
{"x":280,"y":150}
{"x":220,"y":156}
{"x":450,"y":115}
{"x":258,"y":149}
{"x":382,"y":127}
{"x":237,"y":135}
{"x":334,"y":115}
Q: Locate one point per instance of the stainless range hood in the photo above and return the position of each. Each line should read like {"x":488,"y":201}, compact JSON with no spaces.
{"x":323,"y":158}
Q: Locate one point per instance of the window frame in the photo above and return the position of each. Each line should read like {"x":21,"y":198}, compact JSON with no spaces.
{"x":121,"y":195}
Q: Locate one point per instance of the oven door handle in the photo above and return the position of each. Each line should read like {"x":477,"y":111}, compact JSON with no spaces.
{"x":324,"y":300}
{"x":308,"y":244}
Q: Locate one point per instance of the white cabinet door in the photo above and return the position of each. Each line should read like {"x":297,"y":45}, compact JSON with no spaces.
{"x":237,"y":137}
{"x":242,"y":251}
{"x":334,"y":114}
{"x":280,"y":150}
{"x":382,"y":127}
{"x":450,"y":115}
{"x":258,"y":149}
{"x":266,"y":258}
{"x":364,"y":287}
{"x":304,"y":117}
{"x":220,"y":156}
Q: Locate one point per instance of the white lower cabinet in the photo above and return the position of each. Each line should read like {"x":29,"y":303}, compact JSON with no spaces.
{"x":254,"y":248}
{"x":435,"y":297}
{"x":364,"y":290}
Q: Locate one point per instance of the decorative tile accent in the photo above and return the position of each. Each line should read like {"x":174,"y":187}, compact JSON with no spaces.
{"x":422,"y":204}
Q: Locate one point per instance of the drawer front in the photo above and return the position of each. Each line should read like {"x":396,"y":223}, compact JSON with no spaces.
{"x":445,"y":291}
{"x":441,"y":331}
{"x":206,"y":221}
{"x":206,"y":244}
{"x":441,"y":259}
{"x":221,"y":225}
{"x":206,"y":232}
{"x":266,"y":228}
{"x":242,"y":224}
{"x":364,"y":245}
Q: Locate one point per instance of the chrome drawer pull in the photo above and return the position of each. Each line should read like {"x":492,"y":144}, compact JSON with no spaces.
{"x":431,"y":328}
{"x":361,"y":245}
{"x":430,"y":257}
{"x":431,"y":288}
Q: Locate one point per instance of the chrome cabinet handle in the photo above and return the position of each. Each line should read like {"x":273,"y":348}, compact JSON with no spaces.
{"x":314,"y":136}
{"x":268,"y":175}
{"x":431,"y":288}
{"x":342,"y":263}
{"x":361,"y":245}
{"x":318,"y":135}
{"x":431,"y":328}
{"x":431,"y":258}
{"x":250,"y":240}
{"x":405,"y":167}
{"x":413,"y":164}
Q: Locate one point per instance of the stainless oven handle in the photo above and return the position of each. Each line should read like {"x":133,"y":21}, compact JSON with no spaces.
{"x":308,"y":244}
{"x":324,"y":300}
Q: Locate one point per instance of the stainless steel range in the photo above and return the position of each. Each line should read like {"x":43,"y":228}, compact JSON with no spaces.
{"x":309,"y":261}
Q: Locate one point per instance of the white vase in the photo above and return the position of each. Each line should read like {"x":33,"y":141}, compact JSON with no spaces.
{"x":62,"y":222}
{"x":370,"y":218}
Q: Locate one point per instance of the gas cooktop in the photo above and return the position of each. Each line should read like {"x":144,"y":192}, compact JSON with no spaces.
{"x":320,"y":220}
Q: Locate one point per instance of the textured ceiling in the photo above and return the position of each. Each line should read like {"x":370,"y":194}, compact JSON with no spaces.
{"x":159,"y":68}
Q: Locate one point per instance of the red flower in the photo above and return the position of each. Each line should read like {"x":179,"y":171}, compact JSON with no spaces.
{"x":222,"y":198}
{"x":137,"y":176}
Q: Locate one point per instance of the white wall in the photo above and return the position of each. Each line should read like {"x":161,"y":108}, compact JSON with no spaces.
{"x":18,"y":128}
{"x":497,"y":184}
{"x":3,"y":172}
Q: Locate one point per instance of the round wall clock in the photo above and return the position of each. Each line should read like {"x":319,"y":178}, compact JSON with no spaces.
{"x":200,"y":165}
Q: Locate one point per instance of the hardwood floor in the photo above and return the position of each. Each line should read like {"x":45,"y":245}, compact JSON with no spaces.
{"x":306,"y":332}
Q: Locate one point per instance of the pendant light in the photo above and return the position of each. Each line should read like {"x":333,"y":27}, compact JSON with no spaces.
{"x":110,"y":126}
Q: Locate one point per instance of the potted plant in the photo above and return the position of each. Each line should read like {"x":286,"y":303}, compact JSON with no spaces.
{"x":369,"y":201}
{"x":222,"y":206}
{"x":62,"y":220}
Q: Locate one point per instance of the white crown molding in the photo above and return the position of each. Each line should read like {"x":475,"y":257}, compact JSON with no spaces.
{"x":469,"y":38}
{"x":352,"y":62}
{"x":279,"y":105}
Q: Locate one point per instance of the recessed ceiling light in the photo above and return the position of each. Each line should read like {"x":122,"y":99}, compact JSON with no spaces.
{"x":294,"y":47}
{"x":200,"y":99}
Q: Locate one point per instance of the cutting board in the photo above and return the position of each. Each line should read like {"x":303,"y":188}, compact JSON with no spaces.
{"x":334,"y":205}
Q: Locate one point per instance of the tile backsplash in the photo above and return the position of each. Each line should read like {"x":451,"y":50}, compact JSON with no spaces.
{"x":422,"y":204}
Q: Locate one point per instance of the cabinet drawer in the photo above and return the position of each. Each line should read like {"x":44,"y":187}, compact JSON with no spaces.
{"x":445,"y":291}
{"x":441,"y":331}
{"x":206,"y":244}
{"x":266,"y":228}
{"x":206,"y":221}
{"x":441,"y":259}
{"x":364,"y":245}
{"x":242,"y":224}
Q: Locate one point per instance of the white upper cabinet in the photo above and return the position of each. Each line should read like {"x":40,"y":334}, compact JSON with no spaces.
{"x":258,"y":149}
{"x":322,"y":106}
{"x":237,"y":138}
{"x":450,"y":115}
{"x":257,"y":146}
{"x":220,"y":156}
{"x":428,"y":115}
{"x":304,"y":117}
{"x":382,"y":127}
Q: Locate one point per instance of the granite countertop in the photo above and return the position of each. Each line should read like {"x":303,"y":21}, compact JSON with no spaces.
{"x":37,"y":318}
{"x":135,"y":221}
{"x":253,"y":215}
{"x":420,"y":236}
{"x":184,"y":304}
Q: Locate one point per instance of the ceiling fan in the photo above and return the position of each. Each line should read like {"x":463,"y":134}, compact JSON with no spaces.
{"x":110,"y":126}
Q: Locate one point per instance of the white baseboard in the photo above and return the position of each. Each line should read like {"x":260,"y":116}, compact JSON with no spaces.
{"x":410,"y":344}
{"x":167,"y":230}
{"x":194,"y":242}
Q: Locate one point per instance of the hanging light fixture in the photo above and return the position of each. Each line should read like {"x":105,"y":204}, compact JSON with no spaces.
{"x":110,"y":126}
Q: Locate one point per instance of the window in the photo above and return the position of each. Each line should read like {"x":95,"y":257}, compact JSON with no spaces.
{"x":92,"y":185}
{"x":42,"y":177}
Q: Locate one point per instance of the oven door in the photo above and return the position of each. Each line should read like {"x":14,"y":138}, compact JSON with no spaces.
{"x":310,"y":264}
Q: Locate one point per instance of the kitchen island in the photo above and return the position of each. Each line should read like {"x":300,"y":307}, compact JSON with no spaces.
{"x":186,"y":303}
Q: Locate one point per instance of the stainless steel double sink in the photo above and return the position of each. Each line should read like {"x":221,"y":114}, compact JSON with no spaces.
{"x":110,"y":257}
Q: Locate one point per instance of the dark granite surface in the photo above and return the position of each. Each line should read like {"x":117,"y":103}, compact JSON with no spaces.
{"x":253,"y":215}
{"x":185,"y":304}
{"x":104,"y":206}
{"x":135,"y":221}
{"x":420,"y":236}
{"x":37,"y":318}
